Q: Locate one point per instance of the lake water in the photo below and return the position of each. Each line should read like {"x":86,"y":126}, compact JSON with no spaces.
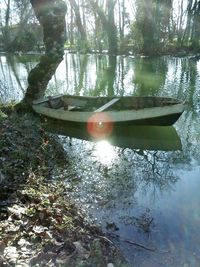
{"x":145,"y":187}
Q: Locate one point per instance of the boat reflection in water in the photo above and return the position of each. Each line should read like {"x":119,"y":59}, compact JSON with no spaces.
{"x":163,"y":138}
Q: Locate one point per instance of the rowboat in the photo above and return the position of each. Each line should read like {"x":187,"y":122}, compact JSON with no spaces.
{"x":101,"y":111}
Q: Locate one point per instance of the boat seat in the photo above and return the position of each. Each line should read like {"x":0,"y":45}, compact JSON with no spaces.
{"x":107,"y":105}
{"x":73,"y":104}
{"x":74,"y":108}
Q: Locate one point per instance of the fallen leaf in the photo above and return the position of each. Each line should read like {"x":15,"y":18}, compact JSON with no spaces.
{"x":39,"y":229}
{"x":11,"y":254}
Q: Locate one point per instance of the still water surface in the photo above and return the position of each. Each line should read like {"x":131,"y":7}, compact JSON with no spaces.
{"x":145,"y":187}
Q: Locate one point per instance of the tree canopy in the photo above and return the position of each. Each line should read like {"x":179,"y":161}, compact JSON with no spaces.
{"x":116,"y":26}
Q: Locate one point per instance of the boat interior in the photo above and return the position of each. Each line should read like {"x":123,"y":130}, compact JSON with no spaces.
{"x":99,"y":104}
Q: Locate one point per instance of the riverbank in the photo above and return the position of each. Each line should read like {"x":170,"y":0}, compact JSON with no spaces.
{"x":39,"y":223}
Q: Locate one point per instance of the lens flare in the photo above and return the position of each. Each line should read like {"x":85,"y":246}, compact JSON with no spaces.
{"x":99,"y":125}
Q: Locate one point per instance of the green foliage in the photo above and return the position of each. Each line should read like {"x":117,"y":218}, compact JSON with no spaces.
{"x":25,"y":41}
{"x":137,"y":37}
{"x":2,"y":115}
{"x":152,"y":23}
{"x":145,"y":26}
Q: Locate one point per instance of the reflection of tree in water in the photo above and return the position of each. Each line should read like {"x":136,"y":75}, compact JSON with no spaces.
{"x":79,"y":68}
{"x":13,"y":74}
{"x":115,"y":184}
{"x":89,"y":75}
{"x":81,"y":73}
{"x":189,"y":131}
{"x":150,"y":75}
{"x":3,"y":91}
{"x":153,"y":169}
{"x":106,"y":75}
{"x":184,"y":79}
{"x":12,"y":64}
{"x":190,"y":121}
{"x":6,"y":81}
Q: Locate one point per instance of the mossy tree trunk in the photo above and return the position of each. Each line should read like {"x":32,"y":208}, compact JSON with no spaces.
{"x":51,"y":16}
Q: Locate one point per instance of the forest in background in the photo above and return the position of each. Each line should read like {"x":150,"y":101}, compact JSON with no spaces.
{"x":149,"y":27}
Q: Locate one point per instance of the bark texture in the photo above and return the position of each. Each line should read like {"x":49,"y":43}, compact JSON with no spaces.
{"x":51,"y":16}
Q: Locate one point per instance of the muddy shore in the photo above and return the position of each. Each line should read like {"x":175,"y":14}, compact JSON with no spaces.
{"x":39,"y":223}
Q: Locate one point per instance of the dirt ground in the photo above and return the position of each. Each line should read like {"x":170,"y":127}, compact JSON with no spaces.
{"x":39,"y":223}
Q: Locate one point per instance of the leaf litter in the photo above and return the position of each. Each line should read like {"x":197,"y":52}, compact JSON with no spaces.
{"x":39,"y":223}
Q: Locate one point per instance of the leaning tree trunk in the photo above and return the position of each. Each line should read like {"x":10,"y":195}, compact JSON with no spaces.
{"x":51,"y":16}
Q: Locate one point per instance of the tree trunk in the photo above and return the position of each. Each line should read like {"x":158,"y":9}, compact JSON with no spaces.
{"x":83,"y":35}
{"x":195,"y":28}
{"x":148,"y":31}
{"x":108,"y":24}
{"x":6,"y":34}
{"x":51,"y":16}
{"x":187,"y":31}
{"x":71,"y":29}
{"x":180,"y":23}
{"x":111,"y":28}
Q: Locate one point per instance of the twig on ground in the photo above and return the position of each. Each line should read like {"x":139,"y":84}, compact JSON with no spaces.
{"x":132,"y":242}
{"x":106,"y":239}
{"x":5,"y":261}
{"x":139,"y":245}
